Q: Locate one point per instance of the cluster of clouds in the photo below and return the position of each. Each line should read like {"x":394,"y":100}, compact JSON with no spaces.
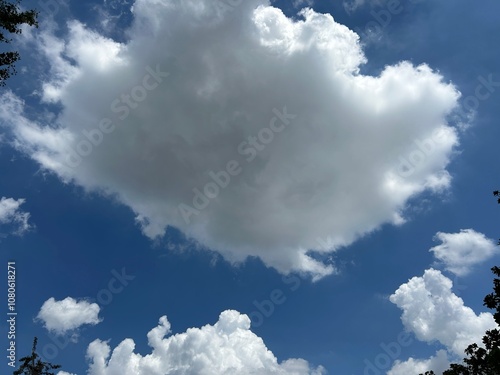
{"x":430,"y":310}
{"x":434,"y":313}
{"x":227,"y":347}
{"x":151,"y":120}
{"x":152,"y":134}
{"x":12,"y":216}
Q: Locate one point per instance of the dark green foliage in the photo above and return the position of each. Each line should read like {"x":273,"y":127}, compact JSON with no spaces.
{"x":33,"y":365}
{"x":11,"y":19}
{"x":482,"y":361}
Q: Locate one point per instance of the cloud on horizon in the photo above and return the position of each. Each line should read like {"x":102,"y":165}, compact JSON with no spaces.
{"x":252,"y":133}
{"x":435,"y":314}
{"x":437,"y":363}
{"x":225,"y":348}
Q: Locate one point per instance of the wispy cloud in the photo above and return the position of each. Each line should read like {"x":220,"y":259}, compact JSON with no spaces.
{"x":302,"y":3}
{"x":352,"y":5}
{"x":12,"y":216}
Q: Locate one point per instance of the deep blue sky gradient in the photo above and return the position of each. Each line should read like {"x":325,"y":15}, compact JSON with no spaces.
{"x":337,"y":322}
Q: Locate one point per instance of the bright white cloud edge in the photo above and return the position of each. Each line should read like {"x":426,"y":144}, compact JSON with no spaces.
{"x":225,"y":348}
{"x":236,"y":72}
{"x":68,"y":314}
{"x":435,"y":314}
{"x":459,"y":252}
{"x":412,"y":366}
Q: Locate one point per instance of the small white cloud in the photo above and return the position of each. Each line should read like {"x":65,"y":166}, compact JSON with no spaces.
{"x":10,"y":214}
{"x":64,"y":373}
{"x":67,"y":315}
{"x":437,"y":363}
{"x":433,"y":312}
{"x":460,"y":251}
{"x":226,"y":348}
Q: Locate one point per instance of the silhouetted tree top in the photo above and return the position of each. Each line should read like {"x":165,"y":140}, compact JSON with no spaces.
{"x":33,"y":365}
{"x":11,"y":19}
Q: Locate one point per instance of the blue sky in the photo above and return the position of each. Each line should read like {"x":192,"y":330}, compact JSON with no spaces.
{"x":363,"y":155}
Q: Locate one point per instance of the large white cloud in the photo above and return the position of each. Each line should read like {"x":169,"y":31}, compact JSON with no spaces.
{"x":12,"y":215}
{"x":434,"y":313}
{"x":460,"y":251}
{"x":68,"y":314}
{"x":316,"y":152}
{"x":228,"y":347}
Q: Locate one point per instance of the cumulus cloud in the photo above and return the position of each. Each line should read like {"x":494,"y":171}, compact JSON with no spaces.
{"x":437,"y":363}
{"x":433,"y":312}
{"x":64,"y":373}
{"x":10,"y":214}
{"x":460,"y":251}
{"x":252,"y":133}
{"x":227,"y":347}
{"x":68,"y":314}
